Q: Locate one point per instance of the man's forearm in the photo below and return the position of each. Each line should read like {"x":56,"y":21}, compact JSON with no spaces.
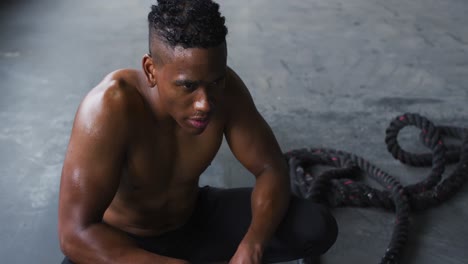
{"x":270,"y":200}
{"x":100,"y":243}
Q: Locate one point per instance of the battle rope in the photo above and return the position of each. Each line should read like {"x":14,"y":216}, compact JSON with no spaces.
{"x":335,"y":188}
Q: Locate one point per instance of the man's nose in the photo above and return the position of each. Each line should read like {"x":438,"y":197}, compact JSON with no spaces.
{"x":203,"y":102}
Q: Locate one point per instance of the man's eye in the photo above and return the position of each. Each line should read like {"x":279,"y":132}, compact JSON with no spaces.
{"x":190,"y":86}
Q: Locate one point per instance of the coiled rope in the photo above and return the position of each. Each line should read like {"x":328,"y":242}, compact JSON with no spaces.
{"x":335,"y":188}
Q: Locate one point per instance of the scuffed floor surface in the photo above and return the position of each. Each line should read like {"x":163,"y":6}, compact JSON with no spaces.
{"x":323,"y":73}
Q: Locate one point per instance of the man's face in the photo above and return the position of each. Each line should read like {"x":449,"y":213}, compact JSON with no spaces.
{"x":190,"y":84}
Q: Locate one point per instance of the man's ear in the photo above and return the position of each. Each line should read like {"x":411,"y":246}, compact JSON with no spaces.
{"x":150,"y":70}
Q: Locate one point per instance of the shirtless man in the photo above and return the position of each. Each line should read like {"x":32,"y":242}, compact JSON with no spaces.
{"x":129,"y":190}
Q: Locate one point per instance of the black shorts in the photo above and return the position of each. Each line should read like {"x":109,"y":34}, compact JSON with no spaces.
{"x":221,"y":219}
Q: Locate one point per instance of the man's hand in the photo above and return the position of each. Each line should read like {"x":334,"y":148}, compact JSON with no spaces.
{"x":247,"y":253}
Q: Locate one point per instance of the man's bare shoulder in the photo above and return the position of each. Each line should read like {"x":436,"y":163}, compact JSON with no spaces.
{"x":237,"y":92}
{"x":116,"y":94}
{"x":111,"y":101}
{"x":234,"y":84}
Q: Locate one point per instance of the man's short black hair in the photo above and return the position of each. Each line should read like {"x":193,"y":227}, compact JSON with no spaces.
{"x":187,"y":23}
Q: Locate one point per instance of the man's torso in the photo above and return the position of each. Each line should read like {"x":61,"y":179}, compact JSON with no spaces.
{"x":159,"y":177}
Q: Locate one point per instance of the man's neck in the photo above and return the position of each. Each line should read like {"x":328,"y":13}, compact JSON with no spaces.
{"x":152,"y":102}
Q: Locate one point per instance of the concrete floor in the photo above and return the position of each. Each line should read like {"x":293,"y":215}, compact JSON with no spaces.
{"x":323,"y":73}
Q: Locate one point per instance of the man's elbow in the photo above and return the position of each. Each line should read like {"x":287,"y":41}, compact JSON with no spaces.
{"x":70,"y":240}
{"x":66,"y":239}
{"x":282,"y":174}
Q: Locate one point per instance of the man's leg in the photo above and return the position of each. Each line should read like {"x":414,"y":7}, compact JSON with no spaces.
{"x":308,"y":228}
{"x":221,"y":219}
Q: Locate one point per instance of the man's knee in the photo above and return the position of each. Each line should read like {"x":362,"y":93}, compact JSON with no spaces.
{"x":311,"y":226}
{"x":323,"y":239}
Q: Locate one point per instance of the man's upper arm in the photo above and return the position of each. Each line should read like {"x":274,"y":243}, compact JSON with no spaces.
{"x":91,"y":171}
{"x":248,"y":135}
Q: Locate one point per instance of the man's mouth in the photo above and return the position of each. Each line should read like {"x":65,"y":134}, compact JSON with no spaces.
{"x":199,"y":122}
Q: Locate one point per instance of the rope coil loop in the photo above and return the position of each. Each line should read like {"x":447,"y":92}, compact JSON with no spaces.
{"x":335,"y":188}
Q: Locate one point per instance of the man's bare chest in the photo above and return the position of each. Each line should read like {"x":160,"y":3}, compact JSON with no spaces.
{"x":160,"y":161}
